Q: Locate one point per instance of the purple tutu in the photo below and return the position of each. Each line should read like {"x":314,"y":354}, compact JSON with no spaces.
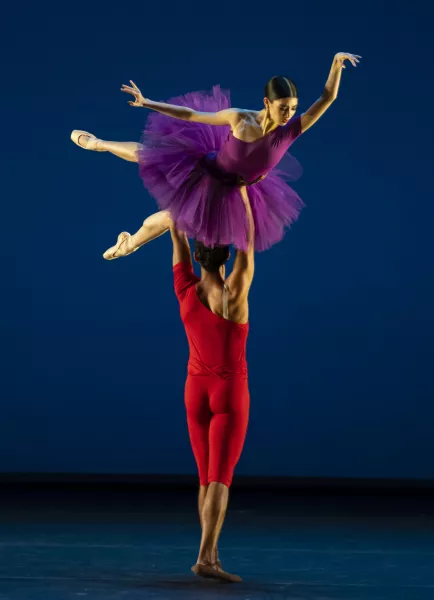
{"x":194,"y":170}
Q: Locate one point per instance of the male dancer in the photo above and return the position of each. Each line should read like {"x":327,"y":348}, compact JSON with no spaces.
{"x":214,"y":311}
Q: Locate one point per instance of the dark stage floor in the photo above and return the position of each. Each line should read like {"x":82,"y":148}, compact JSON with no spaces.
{"x":111,"y":543}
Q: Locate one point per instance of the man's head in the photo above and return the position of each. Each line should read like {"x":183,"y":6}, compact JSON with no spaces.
{"x":210,"y":259}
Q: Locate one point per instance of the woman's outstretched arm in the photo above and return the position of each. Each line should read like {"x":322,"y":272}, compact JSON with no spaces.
{"x":330,"y":92}
{"x":230,"y":116}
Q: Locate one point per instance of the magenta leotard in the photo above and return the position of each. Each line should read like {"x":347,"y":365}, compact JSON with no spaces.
{"x":194,"y":171}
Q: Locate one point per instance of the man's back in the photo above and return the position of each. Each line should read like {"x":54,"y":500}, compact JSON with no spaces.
{"x":217,"y":345}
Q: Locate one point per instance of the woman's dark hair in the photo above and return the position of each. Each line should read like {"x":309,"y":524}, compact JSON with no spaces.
{"x":211,"y":259}
{"x":280,"y":87}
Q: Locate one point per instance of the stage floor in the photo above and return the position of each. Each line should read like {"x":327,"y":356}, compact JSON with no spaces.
{"x":117,"y":543}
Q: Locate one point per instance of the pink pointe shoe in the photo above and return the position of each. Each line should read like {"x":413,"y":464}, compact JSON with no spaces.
{"x":119,"y":250}
{"x":92,"y":141}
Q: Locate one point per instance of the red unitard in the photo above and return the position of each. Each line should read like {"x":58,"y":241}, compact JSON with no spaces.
{"x":216,"y":391}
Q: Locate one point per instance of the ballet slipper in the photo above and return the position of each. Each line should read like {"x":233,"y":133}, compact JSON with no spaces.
{"x":92,"y":143}
{"x":213,"y":572}
{"x":110,"y":254}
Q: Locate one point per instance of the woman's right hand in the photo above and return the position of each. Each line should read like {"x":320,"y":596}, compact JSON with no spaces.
{"x":139,"y":100}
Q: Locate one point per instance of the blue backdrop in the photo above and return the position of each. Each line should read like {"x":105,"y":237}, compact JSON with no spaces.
{"x":341,"y":352}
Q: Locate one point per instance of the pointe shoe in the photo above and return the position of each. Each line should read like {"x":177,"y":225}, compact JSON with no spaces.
{"x":110,"y":254}
{"x":92,"y":141}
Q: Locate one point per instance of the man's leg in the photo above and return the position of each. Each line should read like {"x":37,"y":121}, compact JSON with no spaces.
{"x":229,"y":400}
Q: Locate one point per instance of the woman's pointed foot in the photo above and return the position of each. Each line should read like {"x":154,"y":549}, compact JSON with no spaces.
{"x":86,"y":140}
{"x":121,"y":248}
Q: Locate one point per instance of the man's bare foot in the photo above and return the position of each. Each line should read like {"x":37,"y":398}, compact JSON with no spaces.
{"x":121,"y":248}
{"x":214,"y":572}
{"x":86,"y":140}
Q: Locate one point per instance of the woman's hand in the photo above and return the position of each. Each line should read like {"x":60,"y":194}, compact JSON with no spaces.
{"x":139,"y":100}
{"x":341,"y":57}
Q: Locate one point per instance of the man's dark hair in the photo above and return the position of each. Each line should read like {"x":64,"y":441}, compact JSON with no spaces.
{"x":211,"y":259}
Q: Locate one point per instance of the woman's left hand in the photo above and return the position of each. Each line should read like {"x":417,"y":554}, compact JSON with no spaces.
{"x":341,"y":57}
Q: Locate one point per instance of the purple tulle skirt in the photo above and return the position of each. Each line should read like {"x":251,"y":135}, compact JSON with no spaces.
{"x":174,"y":167}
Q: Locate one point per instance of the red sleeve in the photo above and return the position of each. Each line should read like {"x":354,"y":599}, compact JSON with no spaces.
{"x":184,"y":278}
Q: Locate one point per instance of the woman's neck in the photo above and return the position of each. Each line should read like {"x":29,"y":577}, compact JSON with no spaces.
{"x":266,"y":124}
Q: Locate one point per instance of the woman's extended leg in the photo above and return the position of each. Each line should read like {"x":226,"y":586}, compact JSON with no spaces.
{"x":125,"y":150}
{"x":152,"y":227}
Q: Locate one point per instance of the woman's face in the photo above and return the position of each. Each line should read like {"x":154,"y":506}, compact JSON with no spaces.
{"x":281,"y":110}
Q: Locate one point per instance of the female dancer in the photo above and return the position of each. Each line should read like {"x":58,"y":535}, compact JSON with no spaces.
{"x":195,"y":170}
{"x":214,"y":311}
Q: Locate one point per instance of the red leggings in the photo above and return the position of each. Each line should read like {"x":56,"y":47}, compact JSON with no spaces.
{"x":217,"y":417}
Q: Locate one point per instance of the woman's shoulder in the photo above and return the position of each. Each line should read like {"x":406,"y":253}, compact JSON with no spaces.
{"x":246,"y":121}
{"x":247,"y":115}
